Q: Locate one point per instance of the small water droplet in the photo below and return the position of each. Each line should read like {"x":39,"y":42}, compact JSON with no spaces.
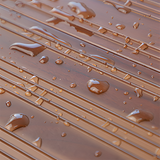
{"x":63,"y":134}
{"x":116,"y":89}
{"x":19,"y":4}
{"x":115,"y":129}
{"x":89,"y":69}
{"x":126,"y":77}
{"x":59,"y":61}
{"x":139,"y":72}
{"x":113,"y":69}
{"x":117,"y":142}
{"x":155,"y":98}
{"x":135,"y":25}
{"x":102,"y":30}
{"x":120,"y":26}
{"x":110,"y":23}
{"x":138,"y":92}
{"x":130,"y":97}
{"x":73,"y":85}
{"x":134,"y":65}
{"x":157,"y":152}
{"x":124,"y":102}
{"x":2,"y":90}
{"x":8,"y":103}
{"x":127,"y":39}
{"x":98,"y":153}
{"x":28,"y":93}
{"x":126,"y":93}
{"x":32,"y":116}
{"x":149,"y":35}
{"x":44,"y":59}
{"x":150,"y":134}
{"x":66,"y":123}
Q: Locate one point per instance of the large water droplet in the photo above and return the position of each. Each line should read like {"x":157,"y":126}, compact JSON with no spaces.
{"x":54,"y":20}
{"x":38,"y":142}
{"x":140,"y":115}
{"x":16,"y":121}
{"x":29,"y":49}
{"x":97,"y":86}
{"x":63,"y":134}
{"x":81,"y":9}
{"x":73,"y":85}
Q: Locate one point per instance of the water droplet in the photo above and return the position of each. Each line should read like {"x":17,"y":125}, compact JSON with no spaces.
{"x":32,"y":116}
{"x":39,"y":101}
{"x":149,"y":35}
{"x":2,"y":90}
{"x":157,"y":152}
{"x":66,"y":123}
{"x":28,"y":93}
{"x":103,"y":58}
{"x":154,"y":127}
{"x":125,"y":46}
{"x":126,"y":93}
{"x":36,"y":3}
{"x":34,"y":79}
{"x":98,"y":153}
{"x":59,"y":61}
{"x":135,"y":25}
{"x":116,"y":89}
{"x":21,"y":84}
{"x":89,"y":69}
{"x":117,"y":142}
{"x":115,"y":129}
{"x":122,"y":9}
{"x":82,"y":30}
{"x":120,"y":26}
{"x":3,"y":21}
{"x":150,"y":134}
{"x":73,"y":85}
{"x":127,"y":39}
{"x":20,"y":70}
{"x":54,"y":78}
{"x":115,"y":34}
{"x":97,"y":86}
{"x":113,"y":69}
{"x":143,"y":46}
{"x":139,"y":72}
{"x":136,"y":51}
{"x":44,"y":59}
{"x":128,"y":3}
{"x":140,"y":115}
{"x":130,"y":97}
{"x":32,"y":88}
{"x":105,"y":124}
{"x":29,"y":49}
{"x":16,"y":121}
{"x":8,"y":103}
{"x":82,"y":45}
{"x":127,"y":76}
{"x":81,"y":55}
{"x":81,"y":9}
{"x":138,"y":92}
{"x":119,"y":50}
{"x":67,"y":51}
{"x":155,"y":98}
{"x":110,"y":23}
{"x":102,"y":30}
{"x":19,"y":4}
{"x":61,"y":13}
{"x":124,"y":102}
{"x":134,"y":65}
{"x":38,"y":142}
{"x":63,"y":134}
{"x":81,"y":20}
{"x":54,"y":20}
{"x":151,"y":43}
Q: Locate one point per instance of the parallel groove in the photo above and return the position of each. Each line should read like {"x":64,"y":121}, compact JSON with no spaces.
{"x":84,"y":99}
{"x":78,"y":106}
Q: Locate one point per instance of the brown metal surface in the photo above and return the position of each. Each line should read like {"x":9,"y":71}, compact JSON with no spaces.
{"x":51,"y":87}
